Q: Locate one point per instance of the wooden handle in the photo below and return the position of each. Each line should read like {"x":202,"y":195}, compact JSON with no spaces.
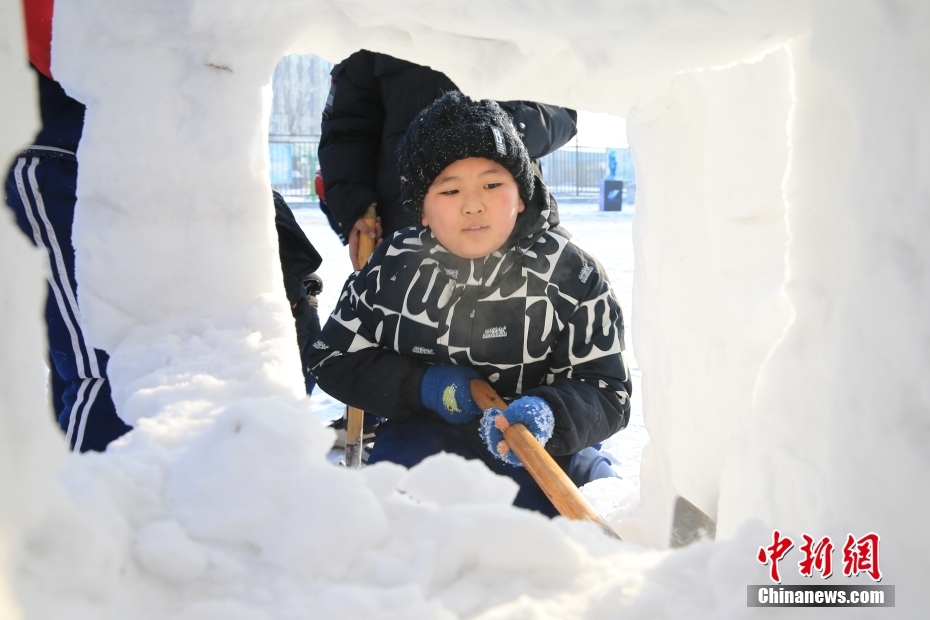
{"x":554,"y":482}
{"x":366,"y":245}
{"x":356,"y":417}
{"x":485,"y":396}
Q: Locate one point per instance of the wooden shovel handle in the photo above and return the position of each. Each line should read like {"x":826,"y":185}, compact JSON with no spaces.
{"x":356,"y":417}
{"x":554,"y":482}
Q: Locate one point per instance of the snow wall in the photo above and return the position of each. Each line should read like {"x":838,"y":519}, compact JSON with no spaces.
{"x":779,"y":308}
{"x":29,"y":452}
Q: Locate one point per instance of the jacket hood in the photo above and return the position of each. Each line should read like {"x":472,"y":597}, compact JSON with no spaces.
{"x":540,"y":215}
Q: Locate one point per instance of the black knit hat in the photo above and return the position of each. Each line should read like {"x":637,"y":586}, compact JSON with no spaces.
{"x":454,"y":127}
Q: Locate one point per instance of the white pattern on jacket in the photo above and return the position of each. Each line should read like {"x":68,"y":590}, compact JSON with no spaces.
{"x":538,"y":318}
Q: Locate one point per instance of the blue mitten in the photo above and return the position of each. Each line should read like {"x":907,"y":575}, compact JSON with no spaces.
{"x":445,"y":389}
{"x":531,"y":411}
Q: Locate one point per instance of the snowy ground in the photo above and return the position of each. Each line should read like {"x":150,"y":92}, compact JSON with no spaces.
{"x":607,"y":235}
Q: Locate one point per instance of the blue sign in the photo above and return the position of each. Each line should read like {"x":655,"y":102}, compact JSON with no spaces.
{"x":282,"y":163}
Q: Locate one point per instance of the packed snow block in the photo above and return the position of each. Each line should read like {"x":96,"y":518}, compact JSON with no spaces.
{"x":227,"y":610}
{"x":711,"y":151}
{"x":837,"y":442}
{"x":164,"y":549}
{"x":449,"y":480}
{"x":31,"y":449}
{"x":174,"y":200}
{"x":494,"y":540}
{"x":193,"y":368}
{"x":81,"y":544}
{"x":258,"y":453}
{"x":383,"y":478}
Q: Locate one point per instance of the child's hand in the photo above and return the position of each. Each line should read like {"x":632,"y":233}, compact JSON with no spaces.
{"x":362,"y":228}
{"x":531,"y":411}
{"x":445,"y":389}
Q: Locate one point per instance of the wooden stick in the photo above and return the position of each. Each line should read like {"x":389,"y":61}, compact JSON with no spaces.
{"x":356,"y":418}
{"x":554,"y":482}
{"x":366,"y":245}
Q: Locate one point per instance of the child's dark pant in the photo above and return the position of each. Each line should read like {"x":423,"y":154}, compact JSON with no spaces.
{"x":40,"y":189}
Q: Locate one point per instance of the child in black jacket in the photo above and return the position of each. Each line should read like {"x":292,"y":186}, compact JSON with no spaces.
{"x":373,"y":98}
{"x":489,"y":286}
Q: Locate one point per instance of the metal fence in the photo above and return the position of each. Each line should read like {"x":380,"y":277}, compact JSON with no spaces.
{"x":293,"y":165}
{"x":579,"y":170}
{"x":571,"y":170}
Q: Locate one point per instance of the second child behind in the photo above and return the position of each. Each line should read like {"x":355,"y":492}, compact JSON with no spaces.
{"x":488,"y":286}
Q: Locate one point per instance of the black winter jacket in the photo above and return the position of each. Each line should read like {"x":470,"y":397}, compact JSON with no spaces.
{"x":372,"y":100}
{"x":536,"y":318}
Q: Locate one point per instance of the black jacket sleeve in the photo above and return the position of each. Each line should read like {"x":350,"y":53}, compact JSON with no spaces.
{"x":350,"y":365}
{"x":376,"y":380}
{"x":544,"y":128}
{"x":589,"y":384}
{"x":298,"y":256}
{"x":350,"y":139}
{"x":584,"y":414}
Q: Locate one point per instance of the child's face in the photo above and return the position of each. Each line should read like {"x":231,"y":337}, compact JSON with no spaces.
{"x":472,"y":207}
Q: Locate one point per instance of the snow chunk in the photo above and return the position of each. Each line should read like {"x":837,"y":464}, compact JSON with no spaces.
{"x":254,"y":468}
{"x":383,"y":478}
{"x":482,"y":541}
{"x":449,"y":480}
{"x":221,"y":610}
